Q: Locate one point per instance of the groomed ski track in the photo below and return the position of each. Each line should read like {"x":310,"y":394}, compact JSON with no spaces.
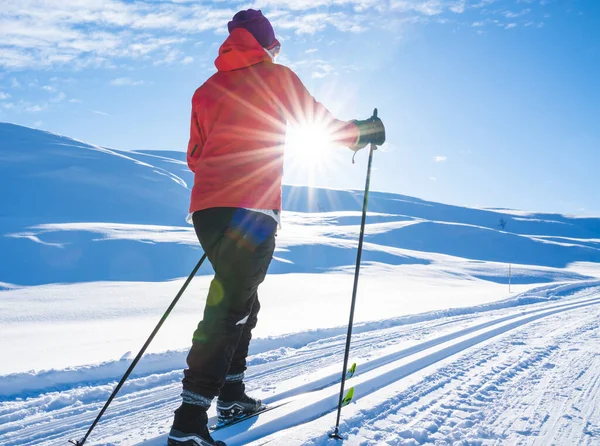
{"x":301,"y":376}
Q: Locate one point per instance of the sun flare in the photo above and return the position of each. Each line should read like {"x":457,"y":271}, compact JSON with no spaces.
{"x":312,"y":157}
{"x":308,"y":141}
{"x":309,"y":153}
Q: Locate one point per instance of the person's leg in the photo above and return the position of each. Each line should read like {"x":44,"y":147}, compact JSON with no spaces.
{"x":239,"y":244}
{"x":238,"y":362}
{"x":233,"y":402}
{"x":240,"y":253}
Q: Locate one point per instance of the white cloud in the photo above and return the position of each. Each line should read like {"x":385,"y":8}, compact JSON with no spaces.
{"x":440,"y":158}
{"x":125,"y":82}
{"x":510,"y":25}
{"x":37,"y":34}
{"x":64,"y":80}
{"x":514,"y":15}
{"x":97,"y":33}
{"x":311,"y":23}
{"x":75,"y":101}
{"x":311,"y":50}
{"x":187,"y":60}
{"x":426,"y":7}
{"x":459,"y":7}
{"x":302,"y":5}
{"x":170,"y":57}
{"x":97,"y":112}
{"x":59,"y":97}
{"x":24,"y":106}
{"x":323,"y":69}
{"x":32,"y":108}
{"x":433,"y":178}
{"x":318,"y":69}
{"x":483,"y":3}
{"x":4,"y":96}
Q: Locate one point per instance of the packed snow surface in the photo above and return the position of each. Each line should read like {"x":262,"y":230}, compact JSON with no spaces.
{"x":94,"y":247}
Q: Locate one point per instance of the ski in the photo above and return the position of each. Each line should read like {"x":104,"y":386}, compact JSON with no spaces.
{"x":351,"y":371}
{"x":348,"y":398}
{"x":215,"y":426}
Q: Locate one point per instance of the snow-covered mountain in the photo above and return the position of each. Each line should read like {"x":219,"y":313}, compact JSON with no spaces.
{"x":94,"y":245}
{"x":74,"y":212}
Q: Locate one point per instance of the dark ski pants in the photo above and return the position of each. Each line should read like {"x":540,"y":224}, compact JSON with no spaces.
{"x":239,"y":244}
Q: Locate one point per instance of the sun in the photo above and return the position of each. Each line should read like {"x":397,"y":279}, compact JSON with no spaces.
{"x":309,"y":142}
{"x":309,"y":153}
{"x":313,"y":159}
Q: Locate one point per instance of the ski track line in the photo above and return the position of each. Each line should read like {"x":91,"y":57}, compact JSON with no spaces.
{"x":460,"y":402}
{"x":373,"y":364}
{"x":384,"y":360}
{"x":478,"y":389}
{"x":110,"y":372}
{"x":38,"y":429}
{"x":79,"y":417}
{"x":305,"y":408}
{"x":81,"y":420}
{"x":255,"y":362}
{"x":566,"y":408}
{"x":334,"y":347}
{"x":307,"y":355}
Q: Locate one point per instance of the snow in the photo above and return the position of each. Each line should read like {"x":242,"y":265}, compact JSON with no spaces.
{"x":94,"y":246}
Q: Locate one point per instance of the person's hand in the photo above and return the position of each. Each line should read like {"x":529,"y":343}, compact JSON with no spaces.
{"x":370,"y":131}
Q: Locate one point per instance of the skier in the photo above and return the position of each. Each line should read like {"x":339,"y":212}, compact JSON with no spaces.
{"x":235,"y":150}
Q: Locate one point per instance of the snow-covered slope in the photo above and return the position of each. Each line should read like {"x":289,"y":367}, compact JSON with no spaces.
{"x":73,"y":212}
{"x":498,"y":375}
{"x":51,"y":180}
{"x":94,"y":246}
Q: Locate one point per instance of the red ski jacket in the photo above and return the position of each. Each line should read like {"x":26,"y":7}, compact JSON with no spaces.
{"x":238,"y":127}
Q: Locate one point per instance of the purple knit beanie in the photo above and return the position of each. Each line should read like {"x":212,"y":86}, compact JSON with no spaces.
{"x":257,"y":24}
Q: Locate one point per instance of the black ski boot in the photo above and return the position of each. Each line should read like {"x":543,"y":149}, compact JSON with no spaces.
{"x":233,"y":404}
{"x":190,"y":427}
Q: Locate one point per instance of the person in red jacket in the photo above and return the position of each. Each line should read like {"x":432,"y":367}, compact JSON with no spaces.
{"x":235,"y":150}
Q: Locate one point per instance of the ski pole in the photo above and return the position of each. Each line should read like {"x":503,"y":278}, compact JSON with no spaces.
{"x":139,"y":355}
{"x":373,"y":147}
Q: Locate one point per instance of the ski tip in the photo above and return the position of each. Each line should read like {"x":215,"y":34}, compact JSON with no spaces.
{"x":351,"y":371}
{"x":348,"y":398}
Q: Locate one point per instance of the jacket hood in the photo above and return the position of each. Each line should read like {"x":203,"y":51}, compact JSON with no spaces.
{"x":240,"y":50}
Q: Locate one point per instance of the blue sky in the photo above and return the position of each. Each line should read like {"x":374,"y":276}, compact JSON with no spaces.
{"x":486,"y":102}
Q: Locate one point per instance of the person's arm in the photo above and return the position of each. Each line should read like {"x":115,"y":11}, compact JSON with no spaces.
{"x":300,"y":107}
{"x":195,"y":143}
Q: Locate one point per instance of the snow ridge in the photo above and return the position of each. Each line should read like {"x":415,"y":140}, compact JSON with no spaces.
{"x":31,"y":383}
